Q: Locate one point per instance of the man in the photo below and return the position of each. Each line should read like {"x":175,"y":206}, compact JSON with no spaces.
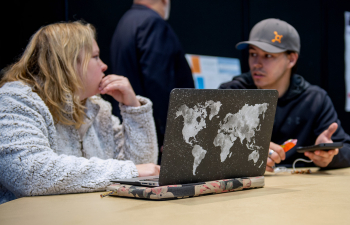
{"x":304,"y":111}
{"x":146,"y":50}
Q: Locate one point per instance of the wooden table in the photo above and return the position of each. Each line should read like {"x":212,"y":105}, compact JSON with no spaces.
{"x":322,"y":197}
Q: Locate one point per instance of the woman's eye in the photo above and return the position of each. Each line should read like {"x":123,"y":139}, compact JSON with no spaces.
{"x":268,"y":56}
{"x":96,"y":57}
{"x":252,"y":54}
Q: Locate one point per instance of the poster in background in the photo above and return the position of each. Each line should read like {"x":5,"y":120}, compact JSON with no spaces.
{"x":347,"y":59}
{"x":210,"y":71}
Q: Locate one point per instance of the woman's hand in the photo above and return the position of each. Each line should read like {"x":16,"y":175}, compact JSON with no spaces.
{"x":276,"y":155}
{"x":148,"y":169}
{"x":120,"y":89}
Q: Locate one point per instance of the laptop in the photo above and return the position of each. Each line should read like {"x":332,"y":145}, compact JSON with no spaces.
{"x":214,"y":134}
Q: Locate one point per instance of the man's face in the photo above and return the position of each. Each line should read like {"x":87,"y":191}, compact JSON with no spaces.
{"x":269,"y":70}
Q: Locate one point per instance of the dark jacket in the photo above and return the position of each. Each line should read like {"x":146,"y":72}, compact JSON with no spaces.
{"x":302,"y":113}
{"x":146,"y":50}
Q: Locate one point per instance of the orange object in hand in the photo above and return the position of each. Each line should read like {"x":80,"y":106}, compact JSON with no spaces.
{"x":289,"y":144}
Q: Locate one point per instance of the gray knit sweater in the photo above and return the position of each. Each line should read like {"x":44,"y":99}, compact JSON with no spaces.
{"x":38,"y":157}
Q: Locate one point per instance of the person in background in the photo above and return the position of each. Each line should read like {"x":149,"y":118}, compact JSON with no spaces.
{"x":304,"y":111}
{"x":56,"y":135}
{"x":146,"y":50}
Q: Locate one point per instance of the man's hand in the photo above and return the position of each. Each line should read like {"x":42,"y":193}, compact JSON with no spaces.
{"x":276,"y":155}
{"x":148,"y":169}
{"x":120,"y":89}
{"x":323,"y":158}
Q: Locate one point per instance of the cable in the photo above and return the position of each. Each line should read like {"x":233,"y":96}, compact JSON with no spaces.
{"x":285,"y":169}
{"x":300,"y":159}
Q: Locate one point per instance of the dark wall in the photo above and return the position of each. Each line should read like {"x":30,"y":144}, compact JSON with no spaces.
{"x":205,"y":27}
{"x":208,"y":27}
{"x":333,"y":58}
{"x":20,"y":20}
{"x":104,"y":15}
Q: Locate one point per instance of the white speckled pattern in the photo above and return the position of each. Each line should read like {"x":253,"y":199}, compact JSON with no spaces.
{"x":38,"y":157}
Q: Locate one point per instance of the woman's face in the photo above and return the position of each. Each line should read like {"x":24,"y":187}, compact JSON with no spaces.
{"x":94,"y":74}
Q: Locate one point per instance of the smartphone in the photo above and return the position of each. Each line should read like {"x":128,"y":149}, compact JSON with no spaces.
{"x":323,"y":147}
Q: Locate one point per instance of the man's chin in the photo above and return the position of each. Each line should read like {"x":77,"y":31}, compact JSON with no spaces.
{"x":259,"y":84}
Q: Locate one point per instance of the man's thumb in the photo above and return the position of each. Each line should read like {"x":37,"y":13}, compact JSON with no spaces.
{"x":331,"y":129}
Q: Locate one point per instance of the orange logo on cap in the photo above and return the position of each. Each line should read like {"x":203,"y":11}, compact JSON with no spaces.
{"x":277,"y":37}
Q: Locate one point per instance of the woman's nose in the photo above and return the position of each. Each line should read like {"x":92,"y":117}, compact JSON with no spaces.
{"x":104,"y":67}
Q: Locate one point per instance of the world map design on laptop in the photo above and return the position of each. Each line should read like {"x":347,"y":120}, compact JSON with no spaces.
{"x":242,"y":125}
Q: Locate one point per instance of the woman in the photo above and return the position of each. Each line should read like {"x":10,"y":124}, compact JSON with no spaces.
{"x":56,"y":136}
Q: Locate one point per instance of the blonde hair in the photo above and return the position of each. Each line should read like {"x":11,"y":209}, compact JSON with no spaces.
{"x":49,"y":65}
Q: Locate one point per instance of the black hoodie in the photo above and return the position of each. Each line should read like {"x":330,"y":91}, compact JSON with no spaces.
{"x":302,"y":113}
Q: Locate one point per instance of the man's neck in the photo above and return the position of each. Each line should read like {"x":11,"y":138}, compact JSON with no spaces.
{"x":157,"y":7}
{"x":283,"y":89}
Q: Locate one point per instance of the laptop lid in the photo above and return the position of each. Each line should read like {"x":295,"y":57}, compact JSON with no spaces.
{"x":216,"y":134}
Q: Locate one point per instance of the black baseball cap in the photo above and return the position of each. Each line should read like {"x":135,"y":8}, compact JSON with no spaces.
{"x":274,"y":36}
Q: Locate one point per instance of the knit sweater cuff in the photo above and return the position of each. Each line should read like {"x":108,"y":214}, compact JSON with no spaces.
{"x":146,"y":106}
{"x":127,"y":169}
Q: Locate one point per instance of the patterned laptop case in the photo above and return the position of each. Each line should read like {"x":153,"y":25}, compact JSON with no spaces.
{"x":185,"y":190}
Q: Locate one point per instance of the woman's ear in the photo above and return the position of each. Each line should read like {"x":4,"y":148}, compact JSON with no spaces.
{"x":293,"y":58}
